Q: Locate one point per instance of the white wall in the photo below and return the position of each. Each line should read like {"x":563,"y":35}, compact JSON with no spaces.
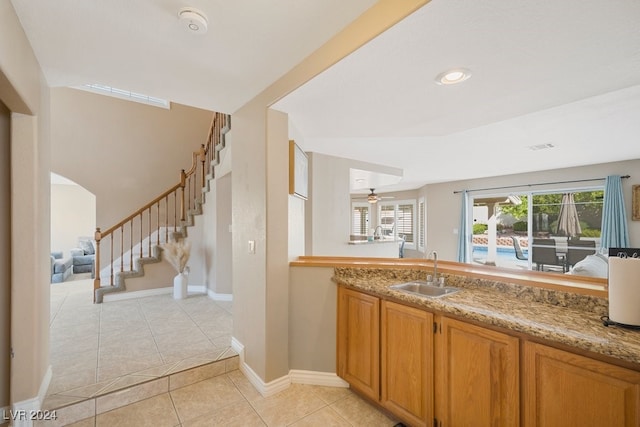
{"x":73,"y":214}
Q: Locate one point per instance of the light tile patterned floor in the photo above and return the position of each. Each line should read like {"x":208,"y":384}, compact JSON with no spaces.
{"x":101,"y":348}
{"x":230,"y":400}
{"x":96,"y":348}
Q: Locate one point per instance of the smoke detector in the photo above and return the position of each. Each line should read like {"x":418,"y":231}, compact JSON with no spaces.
{"x":194,"y":19}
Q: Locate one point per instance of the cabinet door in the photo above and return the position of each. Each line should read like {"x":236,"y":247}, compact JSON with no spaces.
{"x":566,"y":389}
{"x":359,"y":341}
{"x":478,"y":376}
{"x":407,"y":362}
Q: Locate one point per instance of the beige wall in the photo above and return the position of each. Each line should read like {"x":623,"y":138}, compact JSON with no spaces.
{"x":24,"y":92}
{"x":222,"y":274}
{"x":140,"y":148}
{"x":5,"y":253}
{"x":443,"y":207}
{"x":329,"y":208}
{"x":260,"y":202}
{"x":313,"y":300}
{"x":19,"y":69}
{"x":73,"y":214}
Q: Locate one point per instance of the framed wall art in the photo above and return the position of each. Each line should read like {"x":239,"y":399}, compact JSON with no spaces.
{"x":635,"y":199}
{"x":298,"y":171}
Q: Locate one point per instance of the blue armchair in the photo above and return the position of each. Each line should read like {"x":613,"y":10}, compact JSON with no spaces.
{"x":60,"y":267}
{"x":84,"y":256}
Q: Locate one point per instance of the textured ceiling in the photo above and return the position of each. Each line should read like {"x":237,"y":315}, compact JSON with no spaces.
{"x":565,"y":73}
{"x":141,"y":46}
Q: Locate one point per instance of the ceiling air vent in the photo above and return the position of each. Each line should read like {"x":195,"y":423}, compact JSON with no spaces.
{"x":540,"y":147}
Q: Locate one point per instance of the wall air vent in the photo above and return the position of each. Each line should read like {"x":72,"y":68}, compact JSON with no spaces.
{"x":540,"y":147}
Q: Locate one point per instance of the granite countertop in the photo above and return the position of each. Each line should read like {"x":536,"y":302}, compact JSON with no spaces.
{"x":555,"y":316}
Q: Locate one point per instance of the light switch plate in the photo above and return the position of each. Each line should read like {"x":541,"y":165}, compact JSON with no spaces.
{"x":252,"y":246}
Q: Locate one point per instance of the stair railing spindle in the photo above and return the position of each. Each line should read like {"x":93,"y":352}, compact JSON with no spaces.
{"x":149,"y":234}
{"x":111,"y":259}
{"x":121,"y":247}
{"x":130,"y":244}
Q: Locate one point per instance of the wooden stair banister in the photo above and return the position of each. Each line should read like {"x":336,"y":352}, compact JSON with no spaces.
{"x":170,"y":208}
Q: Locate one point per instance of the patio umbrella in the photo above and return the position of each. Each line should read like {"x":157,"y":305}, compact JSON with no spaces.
{"x":568,"y":221}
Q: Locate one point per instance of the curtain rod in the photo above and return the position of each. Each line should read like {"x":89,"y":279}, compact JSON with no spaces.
{"x":533,"y":185}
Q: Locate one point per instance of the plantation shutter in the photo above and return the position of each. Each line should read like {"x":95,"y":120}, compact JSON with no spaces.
{"x":404,"y":222}
{"x":359,"y":220}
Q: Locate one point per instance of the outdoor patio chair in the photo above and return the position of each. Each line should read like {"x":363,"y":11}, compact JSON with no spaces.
{"x":518,"y":249}
{"x":578,"y":250}
{"x":543,"y":252}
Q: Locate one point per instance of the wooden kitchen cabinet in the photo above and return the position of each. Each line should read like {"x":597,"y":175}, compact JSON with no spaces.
{"x":477,"y":376}
{"x":358,"y":344}
{"x":406,"y":355}
{"x":566,"y":389}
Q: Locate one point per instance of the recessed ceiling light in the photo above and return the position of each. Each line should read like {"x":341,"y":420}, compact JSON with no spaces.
{"x":451,"y":77}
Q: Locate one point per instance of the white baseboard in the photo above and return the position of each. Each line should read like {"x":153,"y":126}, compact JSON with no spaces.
{"x":120,"y":296}
{"x":238,"y":347}
{"x":19,"y":415}
{"x":294,"y":376}
{"x":327,"y":379}
{"x":219,"y":297}
{"x":265,"y":389}
{"x":44,"y":385}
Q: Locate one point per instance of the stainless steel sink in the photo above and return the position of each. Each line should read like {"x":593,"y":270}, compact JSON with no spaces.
{"x":425,"y":289}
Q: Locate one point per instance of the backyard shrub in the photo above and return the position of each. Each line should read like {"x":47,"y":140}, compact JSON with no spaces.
{"x":520,"y":226}
{"x":590,"y":232}
{"x":479,"y":228}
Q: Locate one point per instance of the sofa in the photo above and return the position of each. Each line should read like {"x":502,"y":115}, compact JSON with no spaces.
{"x":83,"y":257}
{"x":61,"y":268}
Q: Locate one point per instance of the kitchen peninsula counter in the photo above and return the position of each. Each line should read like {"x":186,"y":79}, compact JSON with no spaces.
{"x":561,"y":310}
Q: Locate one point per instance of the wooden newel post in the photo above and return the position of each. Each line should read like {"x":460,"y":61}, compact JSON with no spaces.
{"x":183,"y":183}
{"x":96,"y":263}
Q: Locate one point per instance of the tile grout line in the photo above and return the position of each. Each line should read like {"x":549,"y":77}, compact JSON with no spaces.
{"x":140,"y":307}
{"x":198,"y":326}
{"x":95,"y":406}
{"x":247,"y":400}
{"x":153,"y":337}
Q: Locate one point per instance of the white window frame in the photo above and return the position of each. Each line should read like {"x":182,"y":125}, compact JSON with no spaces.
{"x":422,"y":225}
{"x":395,"y":204}
{"x":529,"y":194}
{"x":351,"y":224}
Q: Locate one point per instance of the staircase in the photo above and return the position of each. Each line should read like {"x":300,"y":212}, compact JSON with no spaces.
{"x":136,"y":240}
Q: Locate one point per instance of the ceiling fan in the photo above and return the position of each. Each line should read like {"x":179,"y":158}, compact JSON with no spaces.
{"x":373,"y":197}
